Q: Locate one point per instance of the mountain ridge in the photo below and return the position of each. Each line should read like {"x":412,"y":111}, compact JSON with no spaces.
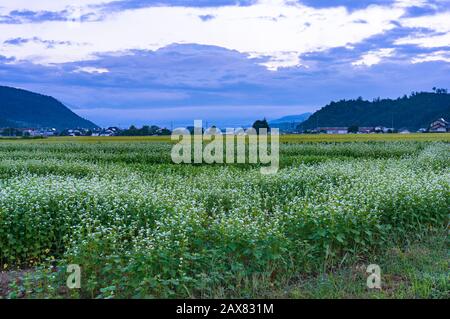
{"x":292,"y":118}
{"x":412,"y":112}
{"x":289,"y":123}
{"x":25,"y":109}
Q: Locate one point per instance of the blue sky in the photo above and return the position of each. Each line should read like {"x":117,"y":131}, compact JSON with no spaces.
{"x":224,"y":61}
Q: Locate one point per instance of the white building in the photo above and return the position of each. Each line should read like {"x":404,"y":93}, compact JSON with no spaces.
{"x":439,"y":126}
{"x":333,"y":130}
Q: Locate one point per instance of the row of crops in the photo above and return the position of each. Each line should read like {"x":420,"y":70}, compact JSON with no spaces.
{"x":140,"y":226}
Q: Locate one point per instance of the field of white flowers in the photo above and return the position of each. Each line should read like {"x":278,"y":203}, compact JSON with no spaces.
{"x":140,"y":226}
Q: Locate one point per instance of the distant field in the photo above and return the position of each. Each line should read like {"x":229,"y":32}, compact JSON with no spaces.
{"x":445,"y":137}
{"x":297,"y":138}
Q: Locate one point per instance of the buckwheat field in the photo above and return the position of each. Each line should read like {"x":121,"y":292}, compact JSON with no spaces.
{"x":140,"y":226}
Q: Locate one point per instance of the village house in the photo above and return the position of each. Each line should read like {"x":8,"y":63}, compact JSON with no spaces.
{"x":344,"y":130}
{"x":106,"y":133}
{"x":333,"y":130}
{"x":32,"y":132}
{"x":404,"y":131}
{"x":382,"y":129}
{"x":110,"y":131}
{"x":439,"y":126}
{"x":366,"y":130}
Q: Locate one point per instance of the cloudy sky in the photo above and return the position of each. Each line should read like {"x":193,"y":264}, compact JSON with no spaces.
{"x":223,"y":61}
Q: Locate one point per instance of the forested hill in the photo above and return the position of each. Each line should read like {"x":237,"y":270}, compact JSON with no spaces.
{"x":20,"y":108}
{"x":412,"y":112}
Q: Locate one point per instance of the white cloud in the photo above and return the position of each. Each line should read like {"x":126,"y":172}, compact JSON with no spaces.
{"x":278,"y":60}
{"x":91,"y":70}
{"x":431,"y":57}
{"x":275,"y":29}
{"x":280,"y":30}
{"x":7,"y":6}
{"x":439,"y":24}
{"x":426,"y":41}
{"x":411,"y":3}
{"x":374,"y":57}
{"x":46,"y":52}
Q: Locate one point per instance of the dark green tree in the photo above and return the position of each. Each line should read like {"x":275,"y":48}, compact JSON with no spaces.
{"x":165,"y":132}
{"x":411,"y":112}
{"x":353,"y":129}
{"x":261,"y":124}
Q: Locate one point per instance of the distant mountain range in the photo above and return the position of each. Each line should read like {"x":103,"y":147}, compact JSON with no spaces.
{"x":410,"y":112}
{"x":290,"y":122}
{"x":25,"y":109}
{"x":292,"y":118}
